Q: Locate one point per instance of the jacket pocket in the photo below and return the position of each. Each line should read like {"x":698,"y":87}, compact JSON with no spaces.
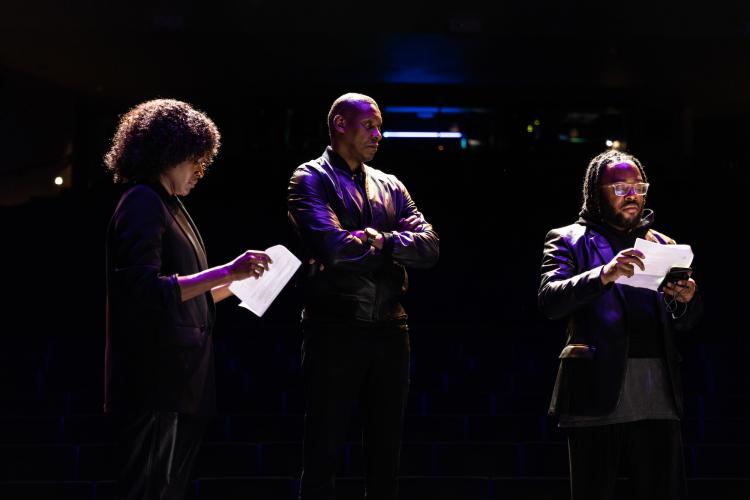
{"x":578,"y":351}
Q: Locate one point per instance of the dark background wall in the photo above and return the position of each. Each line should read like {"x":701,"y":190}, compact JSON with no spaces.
{"x":670,"y":83}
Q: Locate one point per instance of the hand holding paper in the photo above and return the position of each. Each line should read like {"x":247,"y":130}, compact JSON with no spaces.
{"x":658,"y":260}
{"x":622,"y":265}
{"x":258,"y":294}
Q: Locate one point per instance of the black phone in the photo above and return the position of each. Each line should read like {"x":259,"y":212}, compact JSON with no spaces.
{"x":676,"y":274}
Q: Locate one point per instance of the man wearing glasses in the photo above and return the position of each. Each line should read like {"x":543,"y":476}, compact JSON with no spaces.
{"x":618,"y":391}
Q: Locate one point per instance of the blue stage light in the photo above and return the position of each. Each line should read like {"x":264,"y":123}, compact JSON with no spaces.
{"x":422,"y":135}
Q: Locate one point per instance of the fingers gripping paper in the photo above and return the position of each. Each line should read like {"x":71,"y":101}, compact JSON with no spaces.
{"x":257,"y":295}
{"x":659,"y":259}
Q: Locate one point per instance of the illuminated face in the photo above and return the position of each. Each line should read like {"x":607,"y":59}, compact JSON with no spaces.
{"x":182,"y":178}
{"x":361,"y":131}
{"x":623,"y":212}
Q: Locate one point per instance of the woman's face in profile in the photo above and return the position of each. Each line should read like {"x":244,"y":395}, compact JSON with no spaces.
{"x":182,"y":178}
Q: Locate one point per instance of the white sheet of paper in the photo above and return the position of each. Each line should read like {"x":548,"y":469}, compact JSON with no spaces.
{"x":257,"y":295}
{"x":659,"y":259}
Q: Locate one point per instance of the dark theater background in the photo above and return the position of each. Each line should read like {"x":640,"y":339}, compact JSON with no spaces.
{"x":530,"y":91}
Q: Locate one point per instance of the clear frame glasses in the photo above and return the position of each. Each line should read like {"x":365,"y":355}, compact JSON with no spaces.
{"x":625,"y":188}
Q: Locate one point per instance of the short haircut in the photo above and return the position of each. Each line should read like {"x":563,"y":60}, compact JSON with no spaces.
{"x":344,"y":105}
{"x":592,"y":204}
{"x":158,"y":134}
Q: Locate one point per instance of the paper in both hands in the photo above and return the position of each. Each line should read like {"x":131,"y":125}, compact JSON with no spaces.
{"x":257,"y":294}
{"x":659,"y":260}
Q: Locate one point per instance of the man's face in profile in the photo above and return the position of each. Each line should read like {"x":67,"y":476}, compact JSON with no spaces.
{"x":362,"y":125}
{"x":623,"y":212}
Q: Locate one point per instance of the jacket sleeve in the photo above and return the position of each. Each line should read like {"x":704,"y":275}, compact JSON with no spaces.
{"x":694,"y":309}
{"x":321,"y":230}
{"x":419,"y":248}
{"x":563,"y":288}
{"x":693,"y":312}
{"x":137,"y":229}
{"x":692,"y":315}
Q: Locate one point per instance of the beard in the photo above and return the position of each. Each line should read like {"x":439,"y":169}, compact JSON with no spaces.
{"x":618,"y":219}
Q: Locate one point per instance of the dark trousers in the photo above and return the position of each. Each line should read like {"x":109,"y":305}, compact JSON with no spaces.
{"x":157,"y":451}
{"x":650,"y":452}
{"x":339,"y":365}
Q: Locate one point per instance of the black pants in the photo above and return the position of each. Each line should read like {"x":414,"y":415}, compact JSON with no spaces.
{"x":650,"y":452}
{"x":339,"y":365}
{"x":157,"y":451}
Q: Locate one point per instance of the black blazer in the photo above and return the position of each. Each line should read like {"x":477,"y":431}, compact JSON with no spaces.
{"x":592,"y":364}
{"x":159,"y":350}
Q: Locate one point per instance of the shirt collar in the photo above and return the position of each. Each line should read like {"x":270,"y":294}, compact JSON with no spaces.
{"x":339,"y":163}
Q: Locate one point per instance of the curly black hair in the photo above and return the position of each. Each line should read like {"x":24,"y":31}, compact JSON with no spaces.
{"x":158,"y":134}
{"x":592,"y":207}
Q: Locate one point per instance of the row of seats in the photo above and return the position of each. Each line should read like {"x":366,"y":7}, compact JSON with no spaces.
{"x":97,"y":462}
{"x":445,"y":364}
{"x":98,"y":428}
{"x":290,"y":401}
{"x":410,"y":488}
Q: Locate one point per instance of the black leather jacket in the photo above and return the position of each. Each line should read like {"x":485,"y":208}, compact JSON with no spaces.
{"x":358,"y":281}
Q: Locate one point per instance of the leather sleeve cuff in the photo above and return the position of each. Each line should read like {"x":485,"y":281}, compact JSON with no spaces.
{"x":387,"y":243}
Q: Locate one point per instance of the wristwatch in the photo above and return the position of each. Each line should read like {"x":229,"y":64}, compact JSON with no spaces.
{"x":371,"y":234}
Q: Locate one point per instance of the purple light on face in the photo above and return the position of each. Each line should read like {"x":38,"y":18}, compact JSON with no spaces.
{"x":422,"y":135}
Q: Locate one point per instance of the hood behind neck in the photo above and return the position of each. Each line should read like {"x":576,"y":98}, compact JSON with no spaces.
{"x":647,"y":220}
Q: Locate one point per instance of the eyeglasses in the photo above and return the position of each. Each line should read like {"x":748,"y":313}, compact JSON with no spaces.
{"x":624,"y":188}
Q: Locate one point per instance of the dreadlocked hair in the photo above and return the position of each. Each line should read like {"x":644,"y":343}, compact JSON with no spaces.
{"x":592,"y":206}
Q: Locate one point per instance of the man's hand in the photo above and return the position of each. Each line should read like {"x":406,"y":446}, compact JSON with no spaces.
{"x":623,"y":264}
{"x":251,"y":264}
{"x":411,"y":223}
{"x":361,"y":235}
{"x":682,"y":291}
{"x":312,"y":262}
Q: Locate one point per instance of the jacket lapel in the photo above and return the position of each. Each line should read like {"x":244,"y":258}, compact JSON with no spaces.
{"x":191,"y":233}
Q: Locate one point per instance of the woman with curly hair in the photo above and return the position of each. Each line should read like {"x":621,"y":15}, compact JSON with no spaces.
{"x":159,"y":362}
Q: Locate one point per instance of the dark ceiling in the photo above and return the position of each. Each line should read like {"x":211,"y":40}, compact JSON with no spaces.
{"x":122,"y":48}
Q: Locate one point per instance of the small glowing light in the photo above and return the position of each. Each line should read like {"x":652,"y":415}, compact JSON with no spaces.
{"x":58,"y":181}
{"x":529,"y":128}
{"x":537,"y":122}
{"x":441,"y":147}
{"x":423,"y":135}
{"x":609,"y":143}
{"x":464,"y":143}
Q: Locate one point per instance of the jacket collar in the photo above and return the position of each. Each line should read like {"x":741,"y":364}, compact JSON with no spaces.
{"x":597,"y":235}
{"x":336,"y":161}
{"x":601,"y":232}
{"x":185,"y":223}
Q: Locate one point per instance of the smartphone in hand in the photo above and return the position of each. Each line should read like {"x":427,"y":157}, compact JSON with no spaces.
{"x":676,"y":274}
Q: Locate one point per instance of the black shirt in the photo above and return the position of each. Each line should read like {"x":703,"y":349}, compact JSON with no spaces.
{"x":644,"y":329}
